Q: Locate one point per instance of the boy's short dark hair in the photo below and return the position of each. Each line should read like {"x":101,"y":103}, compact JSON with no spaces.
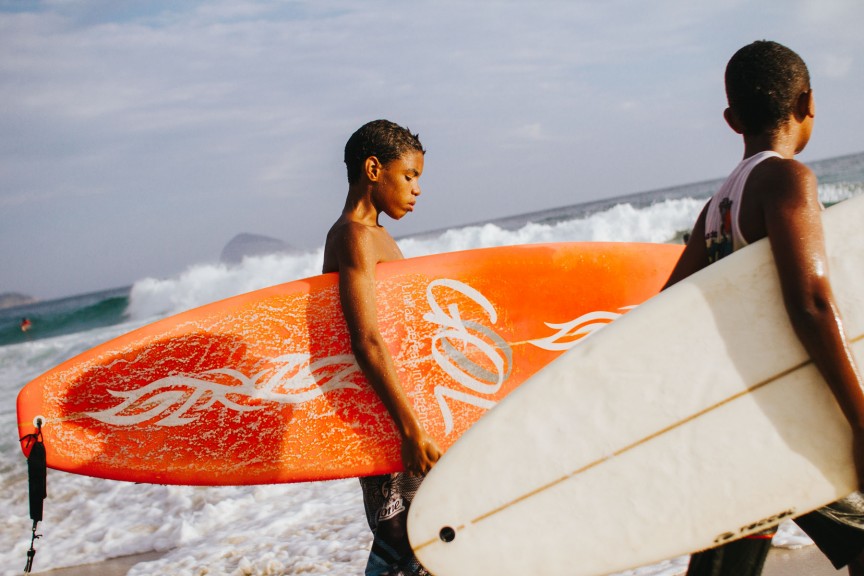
{"x":383,"y":139}
{"x":763,"y":82}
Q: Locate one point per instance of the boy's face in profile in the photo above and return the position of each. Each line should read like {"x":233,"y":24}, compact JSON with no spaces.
{"x":398,"y":185}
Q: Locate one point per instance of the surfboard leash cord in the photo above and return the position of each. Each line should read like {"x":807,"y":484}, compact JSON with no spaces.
{"x":37,"y":477}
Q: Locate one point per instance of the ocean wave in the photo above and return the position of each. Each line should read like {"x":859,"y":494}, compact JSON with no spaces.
{"x":837,"y":192}
{"x":65,"y":316}
{"x":205,"y":283}
{"x":202,"y":284}
{"x":663,"y":221}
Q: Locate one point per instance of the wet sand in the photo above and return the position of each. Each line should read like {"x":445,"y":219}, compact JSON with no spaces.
{"x":807,"y":561}
{"x":113,"y":567}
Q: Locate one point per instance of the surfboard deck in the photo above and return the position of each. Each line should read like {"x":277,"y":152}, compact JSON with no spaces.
{"x":696,"y":419}
{"x":262,"y":387}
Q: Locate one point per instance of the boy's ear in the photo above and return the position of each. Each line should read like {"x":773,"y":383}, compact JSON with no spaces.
{"x":372,"y":168}
{"x":733,"y":121}
{"x":806,"y":105}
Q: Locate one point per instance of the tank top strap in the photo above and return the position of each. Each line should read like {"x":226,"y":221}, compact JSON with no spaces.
{"x":722,"y":231}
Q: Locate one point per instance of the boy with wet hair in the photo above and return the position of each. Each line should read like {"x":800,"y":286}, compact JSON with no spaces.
{"x":384,"y":163}
{"x":770,"y":194}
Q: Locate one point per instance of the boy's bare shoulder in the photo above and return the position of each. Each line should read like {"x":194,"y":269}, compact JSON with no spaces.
{"x":351,"y":243}
{"x":344,"y":239}
{"x":350,"y":235}
{"x":344,"y":231}
{"x":787,"y":178}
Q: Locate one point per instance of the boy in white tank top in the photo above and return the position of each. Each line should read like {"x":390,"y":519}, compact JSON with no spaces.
{"x":770,"y":194}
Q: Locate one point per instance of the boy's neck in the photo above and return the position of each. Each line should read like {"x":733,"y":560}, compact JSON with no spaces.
{"x":787,"y":139}
{"x":359,"y":206}
{"x":782,"y":142}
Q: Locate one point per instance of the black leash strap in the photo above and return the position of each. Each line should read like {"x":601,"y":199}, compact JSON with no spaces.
{"x":37,"y":475}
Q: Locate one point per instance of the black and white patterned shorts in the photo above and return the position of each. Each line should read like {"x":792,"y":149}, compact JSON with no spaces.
{"x":386,"y":499}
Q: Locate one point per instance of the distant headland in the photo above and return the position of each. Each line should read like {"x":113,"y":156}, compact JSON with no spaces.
{"x":10,"y":299}
{"x":245,"y":244}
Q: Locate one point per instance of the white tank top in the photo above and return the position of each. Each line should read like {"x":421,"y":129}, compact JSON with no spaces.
{"x":722,"y":232}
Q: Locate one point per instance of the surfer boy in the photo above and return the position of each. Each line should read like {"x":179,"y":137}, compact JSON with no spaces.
{"x":384,"y":163}
{"x":771,"y":194}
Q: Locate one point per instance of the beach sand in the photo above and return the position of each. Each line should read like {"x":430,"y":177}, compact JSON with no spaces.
{"x":806,"y":561}
{"x":113,"y":567}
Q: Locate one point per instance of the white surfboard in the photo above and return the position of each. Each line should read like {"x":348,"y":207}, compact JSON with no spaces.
{"x":696,"y":419}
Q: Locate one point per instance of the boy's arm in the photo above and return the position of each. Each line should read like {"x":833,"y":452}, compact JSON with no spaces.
{"x":695,"y":255}
{"x":792,"y":215}
{"x":357,"y":260}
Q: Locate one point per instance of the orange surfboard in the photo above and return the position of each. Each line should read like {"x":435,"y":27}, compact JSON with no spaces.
{"x":262,"y":388}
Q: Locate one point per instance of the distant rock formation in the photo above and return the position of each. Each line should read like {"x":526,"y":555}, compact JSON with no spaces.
{"x":10,"y":299}
{"x":252,"y":245}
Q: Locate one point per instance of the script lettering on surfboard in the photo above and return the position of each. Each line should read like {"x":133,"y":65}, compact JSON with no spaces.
{"x":480,"y":381}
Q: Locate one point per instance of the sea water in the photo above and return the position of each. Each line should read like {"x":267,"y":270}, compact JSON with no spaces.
{"x":311,"y":528}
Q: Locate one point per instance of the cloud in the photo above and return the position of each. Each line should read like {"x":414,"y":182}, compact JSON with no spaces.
{"x":231,"y":115}
{"x":837,"y":65}
{"x":531,"y":131}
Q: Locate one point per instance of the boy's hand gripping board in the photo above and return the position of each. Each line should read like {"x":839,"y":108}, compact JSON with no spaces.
{"x":696,"y":419}
{"x":263,"y":388}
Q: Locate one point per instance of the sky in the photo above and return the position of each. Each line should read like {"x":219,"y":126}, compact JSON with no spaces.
{"x":137,"y":138}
